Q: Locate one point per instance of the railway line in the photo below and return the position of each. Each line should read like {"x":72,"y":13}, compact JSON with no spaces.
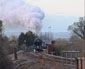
{"x":50,"y":61}
{"x":62,"y":60}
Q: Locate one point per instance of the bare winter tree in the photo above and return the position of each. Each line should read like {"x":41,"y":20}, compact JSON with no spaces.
{"x":78,"y":28}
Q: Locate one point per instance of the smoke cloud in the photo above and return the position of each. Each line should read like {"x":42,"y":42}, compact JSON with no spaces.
{"x":16,"y":14}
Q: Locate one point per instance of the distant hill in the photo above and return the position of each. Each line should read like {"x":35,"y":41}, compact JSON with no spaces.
{"x":9,"y":34}
{"x":56,"y":35}
{"x":62,"y":35}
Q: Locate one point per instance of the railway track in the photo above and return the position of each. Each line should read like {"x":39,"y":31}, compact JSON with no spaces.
{"x":70,"y":63}
{"x":48,"y":59}
{"x":52,"y":57}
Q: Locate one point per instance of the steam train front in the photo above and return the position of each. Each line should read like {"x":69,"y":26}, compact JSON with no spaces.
{"x":38,"y":45}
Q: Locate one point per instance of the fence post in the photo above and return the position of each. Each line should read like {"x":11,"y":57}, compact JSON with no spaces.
{"x":83,"y":63}
{"x":15,"y":54}
{"x":80,"y":64}
{"x":77,"y":67}
{"x":41,"y":59}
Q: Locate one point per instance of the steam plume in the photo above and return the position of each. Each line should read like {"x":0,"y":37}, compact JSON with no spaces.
{"x":18,"y":14}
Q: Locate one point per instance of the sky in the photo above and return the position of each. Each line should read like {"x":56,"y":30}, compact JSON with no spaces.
{"x":59,"y":14}
{"x":60,"y":7}
{"x":45,"y":15}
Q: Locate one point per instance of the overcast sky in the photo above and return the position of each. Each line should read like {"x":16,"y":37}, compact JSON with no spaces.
{"x":60,"y":7}
{"x":59,"y":14}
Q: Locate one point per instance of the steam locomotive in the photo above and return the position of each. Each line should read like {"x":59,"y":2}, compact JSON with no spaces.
{"x":38,"y":45}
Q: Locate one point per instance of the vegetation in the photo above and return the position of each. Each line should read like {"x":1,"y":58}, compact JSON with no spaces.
{"x":27,"y":39}
{"x":78,"y":28}
{"x":5,"y":63}
{"x":21,"y":39}
{"x":60,"y":45}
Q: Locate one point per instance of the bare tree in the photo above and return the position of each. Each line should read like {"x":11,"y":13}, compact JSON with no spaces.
{"x":78,"y":28}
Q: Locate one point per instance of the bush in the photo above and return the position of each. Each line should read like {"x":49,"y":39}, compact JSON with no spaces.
{"x":5,"y":63}
{"x":59,"y":48}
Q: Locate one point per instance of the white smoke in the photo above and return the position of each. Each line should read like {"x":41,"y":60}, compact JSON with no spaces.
{"x":18,"y":14}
